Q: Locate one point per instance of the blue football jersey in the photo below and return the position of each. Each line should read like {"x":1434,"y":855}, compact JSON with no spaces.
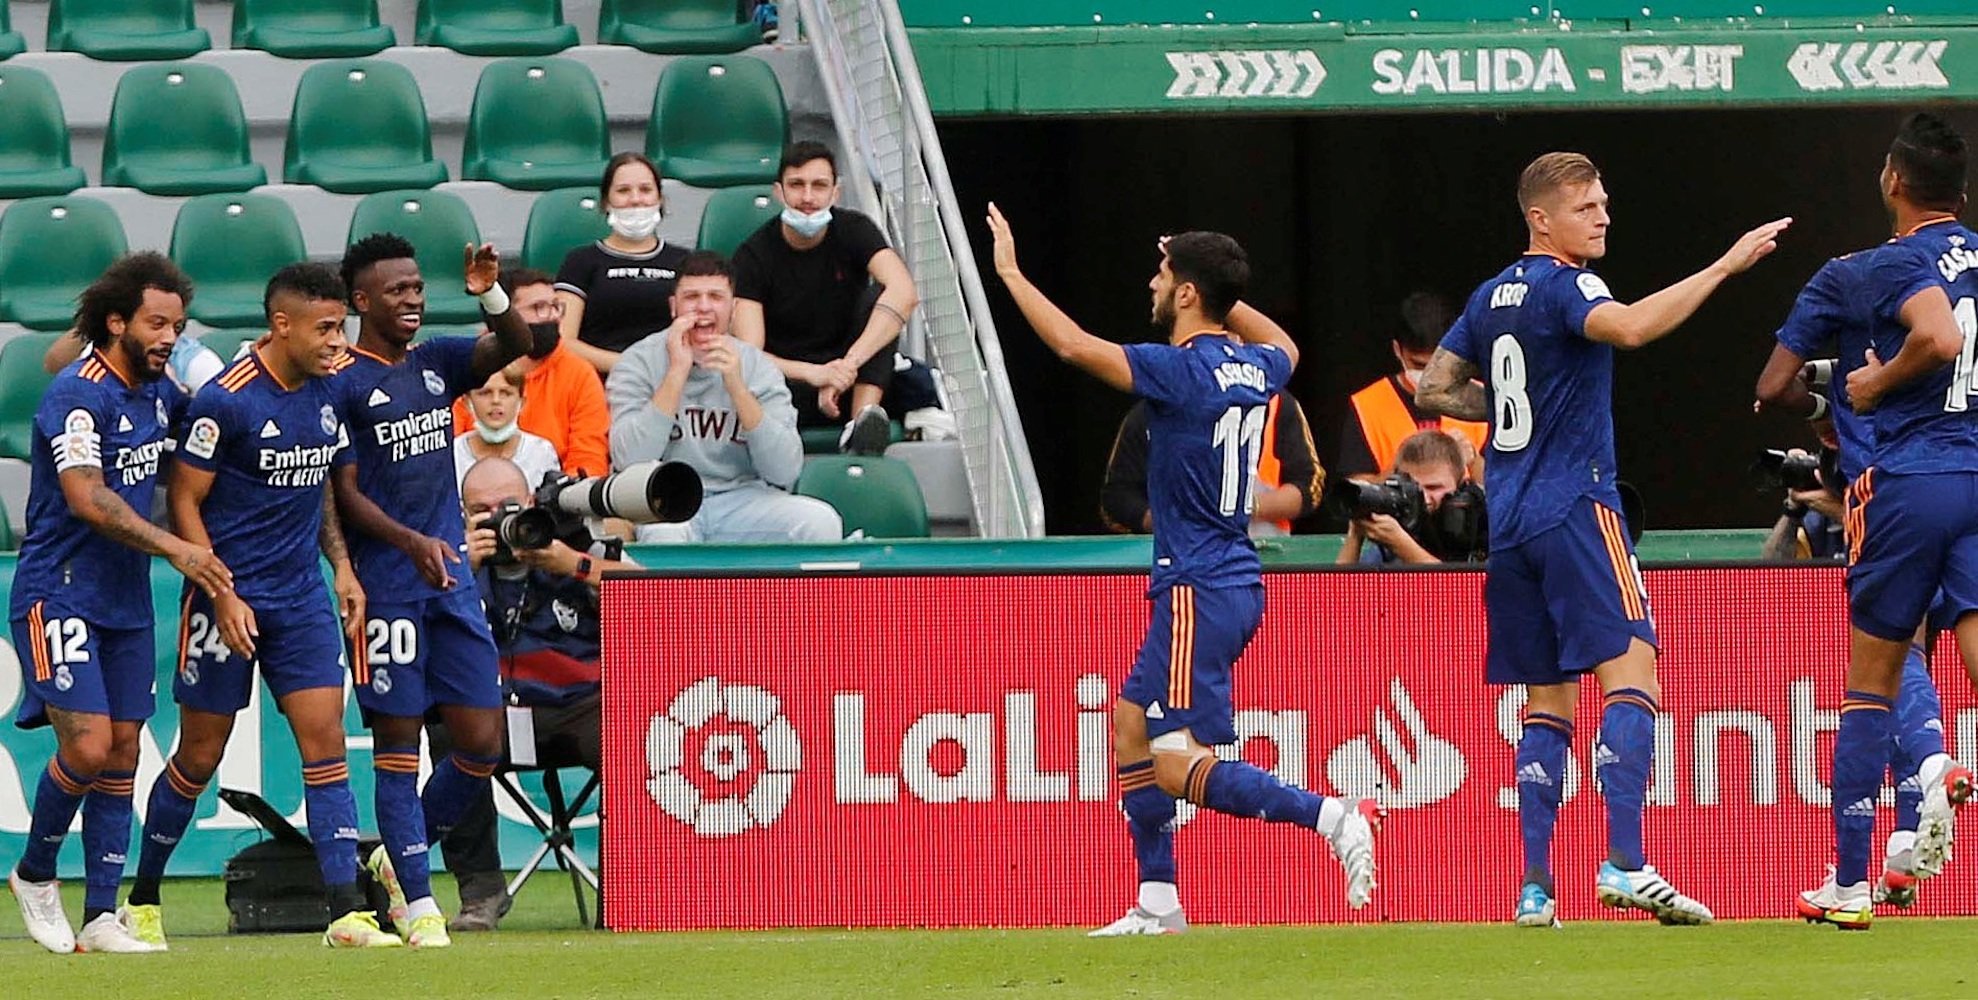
{"x":401,"y":438}
{"x":91,"y":418}
{"x":1927,"y":425}
{"x":1550,"y":392}
{"x":1207,"y":400}
{"x":1824,"y":320}
{"x":270,"y":448}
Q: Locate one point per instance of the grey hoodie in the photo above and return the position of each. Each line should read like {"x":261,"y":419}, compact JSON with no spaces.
{"x":707,"y":432}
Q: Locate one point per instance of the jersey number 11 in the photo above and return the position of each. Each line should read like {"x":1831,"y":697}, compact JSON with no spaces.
{"x":1240,"y":436}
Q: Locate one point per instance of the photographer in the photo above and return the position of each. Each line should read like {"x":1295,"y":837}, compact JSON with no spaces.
{"x":543,"y":607}
{"x":1810,"y":525}
{"x":1428,"y":470}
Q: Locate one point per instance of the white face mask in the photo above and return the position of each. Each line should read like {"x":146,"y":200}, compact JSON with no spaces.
{"x":635,"y":222}
{"x":810,"y":225}
{"x":1413,"y":375}
{"x":497,"y":435}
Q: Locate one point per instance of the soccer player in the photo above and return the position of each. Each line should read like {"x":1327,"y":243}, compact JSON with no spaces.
{"x":252,"y":478}
{"x":1563,"y":592}
{"x":426,"y":642}
{"x":99,"y":432}
{"x":1207,"y":391}
{"x":1912,"y":520}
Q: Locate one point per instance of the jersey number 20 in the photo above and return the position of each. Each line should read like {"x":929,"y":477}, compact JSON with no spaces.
{"x":1240,"y":437}
{"x":1513,"y":428}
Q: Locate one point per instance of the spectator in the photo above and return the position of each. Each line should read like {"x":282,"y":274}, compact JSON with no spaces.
{"x":615,"y":291}
{"x":497,"y":431}
{"x":1289,"y":476}
{"x":1435,"y":461}
{"x":565,"y":396}
{"x":543,"y":609}
{"x":693,"y":393}
{"x":1384,"y":413}
{"x":822,"y":293}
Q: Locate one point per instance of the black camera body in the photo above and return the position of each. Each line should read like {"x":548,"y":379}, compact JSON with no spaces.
{"x":1398,"y":496}
{"x":645,"y":493}
{"x":1779,"y":469}
{"x":1457,"y":531}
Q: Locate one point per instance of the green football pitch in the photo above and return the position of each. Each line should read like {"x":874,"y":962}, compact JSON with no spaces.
{"x":541,"y":952}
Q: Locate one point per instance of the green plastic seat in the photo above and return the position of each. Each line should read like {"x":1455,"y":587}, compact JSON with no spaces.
{"x":51,"y":249}
{"x":824,"y":440}
{"x":718,"y":121}
{"x":12,"y":43}
{"x":125,"y":30}
{"x":439,"y":225}
{"x":229,"y":244}
{"x":311,"y":29}
{"x":177,"y":129}
{"x":878,"y":496}
{"x":34,"y":136}
{"x":226,"y":343}
{"x":495,"y":27}
{"x":21,"y":384}
{"x":9,"y":542}
{"x":561,"y":221}
{"x":732,"y":215}
{"x":358,"y":126}
{"x":537,"y":124}
{"x":676,"y":26}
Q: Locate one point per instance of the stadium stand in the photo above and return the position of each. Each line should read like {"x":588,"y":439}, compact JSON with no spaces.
{"x":12,"y":43}
{"x":229,"y":244}
{"x":732,"y":214}
{"x":876,"y":496}
{"x":495,"y":27}
{"x":311,"y":29}
{"x":537,"y":124}
{"x":34,"y":159}
{"x":177,"y":128}
{"x":675,"y":26}
{"x":50,"y":249}
{"x":227,"y":343}
{"x":359,"y":126}
{"x":21,"y":384}
{"x":717,"y":121}
{"x":439,"y":225}
{"x":560,"y":221}
{"x":126,"y":29}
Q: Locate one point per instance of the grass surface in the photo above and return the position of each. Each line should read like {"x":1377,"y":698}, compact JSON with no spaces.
{"x":541,"y":952}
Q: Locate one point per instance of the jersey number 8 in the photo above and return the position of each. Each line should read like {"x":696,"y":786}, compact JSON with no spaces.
{"x":1513,"y":429}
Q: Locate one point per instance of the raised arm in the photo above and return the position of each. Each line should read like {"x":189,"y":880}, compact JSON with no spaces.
{"x":1254,"y":327}
{"x":1629,"y":326}
{"x":1099,"y":357}
{"x":1450,"y":387}
{"x":512,"y":337}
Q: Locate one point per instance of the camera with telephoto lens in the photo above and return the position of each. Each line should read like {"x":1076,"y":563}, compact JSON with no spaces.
{"x":1778,"y":469}
{"x":1398,"y":496}
{"x":649,"y":492}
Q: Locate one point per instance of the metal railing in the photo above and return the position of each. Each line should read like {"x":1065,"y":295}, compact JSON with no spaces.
{"x":880,"y":109}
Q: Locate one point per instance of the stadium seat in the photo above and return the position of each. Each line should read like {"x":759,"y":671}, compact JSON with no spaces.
{"x":718,"y":121}
{"x":50,"y":249}
{"x":177,"y":129}
{"x":229,"y":244}
{"x":358,"y":126}
{"x":675,"y":26}
{"x":878,"y":496}
{"x":127,"y":30}
{"x":439,"y":225}
{"x":824,"y":440}
{"x":21,"y":384}
{"x":311,"y":29}
{"x":561,"y":221}
{"x":12,"y":43}
{"x":495,"y":27}
{"x":537,"y":124}
{"x":227,"y":343}
{"x":732,"y":214}
{"x":9,"y":542}
{"x":34,"y":136}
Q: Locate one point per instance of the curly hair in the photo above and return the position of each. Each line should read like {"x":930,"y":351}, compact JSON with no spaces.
{"x":368,"y":251}
{"x":119,"y":291}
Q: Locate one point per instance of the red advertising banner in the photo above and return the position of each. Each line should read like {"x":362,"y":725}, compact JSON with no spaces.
{"x":936,"y":750}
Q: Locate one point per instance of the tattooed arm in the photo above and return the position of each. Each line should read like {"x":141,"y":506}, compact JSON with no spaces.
{"x":94,"y":503}
{"x":1450,"y":387}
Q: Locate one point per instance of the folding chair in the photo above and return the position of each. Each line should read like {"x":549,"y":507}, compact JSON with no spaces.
{"x":558,"y":840}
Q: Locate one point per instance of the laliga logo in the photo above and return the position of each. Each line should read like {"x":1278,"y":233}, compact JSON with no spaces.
{"x":1427,"y":768}
{"x":723,"y":758}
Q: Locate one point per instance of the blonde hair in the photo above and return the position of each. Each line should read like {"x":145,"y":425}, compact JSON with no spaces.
{"x":1551,"y":172}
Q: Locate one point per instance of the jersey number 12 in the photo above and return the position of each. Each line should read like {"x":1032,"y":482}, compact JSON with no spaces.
{"x":1240,"y":436}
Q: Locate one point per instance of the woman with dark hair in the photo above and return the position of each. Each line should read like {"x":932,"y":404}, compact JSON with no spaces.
{"x":617,"y":290}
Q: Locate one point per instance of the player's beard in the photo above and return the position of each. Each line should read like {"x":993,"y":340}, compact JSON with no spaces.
{"x":140,"y":361}
{"x":1163,"y":317}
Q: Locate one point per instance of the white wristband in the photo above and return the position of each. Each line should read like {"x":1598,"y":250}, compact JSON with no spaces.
{"x":494,"y":301}
{"x":1819,"y":408}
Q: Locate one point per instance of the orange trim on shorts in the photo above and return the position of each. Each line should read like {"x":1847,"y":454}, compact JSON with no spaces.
{"x":1615,"y":535}
{"x":1854,"y":522}
{"x":39,"y":641}
{"x":1181,"y":645}
{"x":360,"y":661}
{"x":185,"y":632}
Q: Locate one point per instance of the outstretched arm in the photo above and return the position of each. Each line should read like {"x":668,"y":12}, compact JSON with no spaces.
{"x":512,"y":337}
{"x":1097,"y":356}
{"x":1652,"y":318}
{"x":1450,"y":387}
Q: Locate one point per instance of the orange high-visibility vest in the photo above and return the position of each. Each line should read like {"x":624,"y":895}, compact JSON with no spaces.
{"x":1386,"y":421}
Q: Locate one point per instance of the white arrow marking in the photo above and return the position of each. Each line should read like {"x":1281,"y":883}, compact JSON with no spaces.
{"x":1195,"y":74}
{"x":1812,"y":66}
{"x":1263,"y":70}
{"x":1245,"y":73}
{"x":1236,"y":73}
{"x":1315,"y":72}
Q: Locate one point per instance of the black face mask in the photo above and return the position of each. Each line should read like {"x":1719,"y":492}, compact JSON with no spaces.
{"x":545,"y":336}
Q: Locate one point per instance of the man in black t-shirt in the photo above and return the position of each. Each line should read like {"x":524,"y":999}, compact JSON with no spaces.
{"x":821,"y":292}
